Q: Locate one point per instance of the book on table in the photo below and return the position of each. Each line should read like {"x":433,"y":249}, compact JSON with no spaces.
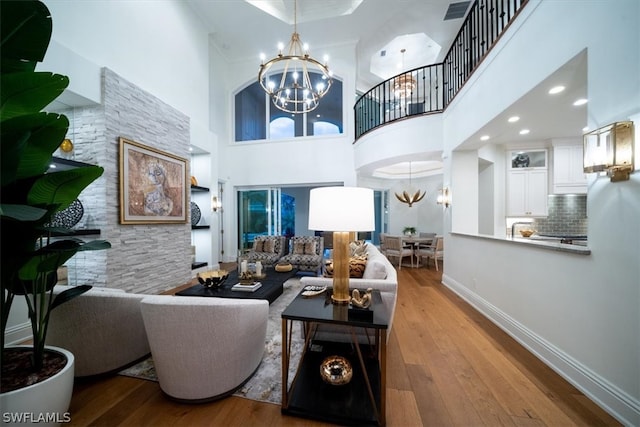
{"x":246,"y":288}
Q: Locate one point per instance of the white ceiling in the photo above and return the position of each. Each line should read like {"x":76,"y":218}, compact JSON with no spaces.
{"x":243,"y":31}
{"x":546,"y":116}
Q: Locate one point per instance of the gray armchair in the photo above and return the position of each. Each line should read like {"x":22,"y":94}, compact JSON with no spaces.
{"x":267,"y":249}
{"x":103,"y":328}
{"x":305,"y":253}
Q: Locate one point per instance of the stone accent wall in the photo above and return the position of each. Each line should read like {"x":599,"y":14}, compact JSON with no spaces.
{"x":87,"y":131}
{"x":143,"y":258}
{"x":567,"y":215}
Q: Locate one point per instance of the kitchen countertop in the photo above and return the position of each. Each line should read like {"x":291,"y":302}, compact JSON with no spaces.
{"x":553,"y":245}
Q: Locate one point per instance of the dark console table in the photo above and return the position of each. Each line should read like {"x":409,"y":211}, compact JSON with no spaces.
{"x":362,"y":400}
{"x":270,"y":290}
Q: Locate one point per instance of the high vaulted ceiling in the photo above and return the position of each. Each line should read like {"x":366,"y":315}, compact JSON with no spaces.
{"x":242,"y":29}
{"x":245,"y":28}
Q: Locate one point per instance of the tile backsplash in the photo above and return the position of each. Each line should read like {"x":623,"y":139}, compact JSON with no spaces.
{"x":567,"y":214}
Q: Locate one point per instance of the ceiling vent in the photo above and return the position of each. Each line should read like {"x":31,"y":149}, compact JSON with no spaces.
{"x":456,"y":10}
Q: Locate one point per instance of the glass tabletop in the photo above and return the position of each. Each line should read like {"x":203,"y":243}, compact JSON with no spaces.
{"x":321,"y":309}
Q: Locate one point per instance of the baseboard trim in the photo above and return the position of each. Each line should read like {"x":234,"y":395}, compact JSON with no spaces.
{"x":616,"y":402}
{"x":18,"y":334}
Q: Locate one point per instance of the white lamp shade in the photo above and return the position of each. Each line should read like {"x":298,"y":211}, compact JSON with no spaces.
{"x":341,"y":209}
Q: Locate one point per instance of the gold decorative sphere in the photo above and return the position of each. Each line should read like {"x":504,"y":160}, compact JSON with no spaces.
{"x":66,"y":146}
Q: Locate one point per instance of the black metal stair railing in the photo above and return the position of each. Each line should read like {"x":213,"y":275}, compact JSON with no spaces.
{"x":429,"y":89}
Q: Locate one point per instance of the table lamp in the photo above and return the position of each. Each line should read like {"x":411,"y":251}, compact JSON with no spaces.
{"x":341,"y":210}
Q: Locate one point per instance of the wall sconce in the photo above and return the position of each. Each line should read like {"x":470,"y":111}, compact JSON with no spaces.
{"x":444,"y":197}
{"x":610,"y":149}
{"x":216,"y":204}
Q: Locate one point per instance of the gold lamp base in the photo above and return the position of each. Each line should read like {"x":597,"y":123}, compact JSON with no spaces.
{"x":337,"y":300}
{"x":340,"y":293}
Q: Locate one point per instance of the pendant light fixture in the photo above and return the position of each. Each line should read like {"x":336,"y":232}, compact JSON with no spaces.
{"x":294,"y":80}
{"x":404,"y":84}
{"x":408,"y":198}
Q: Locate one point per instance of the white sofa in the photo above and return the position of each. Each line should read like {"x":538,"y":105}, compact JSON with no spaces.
{"x":103,"y":328}
{"x":204,"y":348}
{"x":379,"y":274}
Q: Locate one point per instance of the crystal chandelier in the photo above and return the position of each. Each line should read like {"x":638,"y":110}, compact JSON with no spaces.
{"x":408,"y":198}
{"x":294,"y":80}
{"x":404,"y":84}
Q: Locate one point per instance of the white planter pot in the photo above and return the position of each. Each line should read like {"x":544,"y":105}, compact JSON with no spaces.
{"x":45,"y":403}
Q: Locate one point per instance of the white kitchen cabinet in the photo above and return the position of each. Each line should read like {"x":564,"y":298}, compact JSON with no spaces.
{"x":527,"y":183}
{"x":568,"y":175}
{"x":527,"y":193}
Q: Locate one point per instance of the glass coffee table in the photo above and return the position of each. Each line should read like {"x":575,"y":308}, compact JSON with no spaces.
{"x":270,"y":290}
{"x":362,"y":400}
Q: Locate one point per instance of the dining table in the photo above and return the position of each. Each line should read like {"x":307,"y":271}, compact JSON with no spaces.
{"x":415,"y":242}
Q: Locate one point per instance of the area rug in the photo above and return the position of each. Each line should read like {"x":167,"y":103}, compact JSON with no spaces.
{"x":266,"y":383}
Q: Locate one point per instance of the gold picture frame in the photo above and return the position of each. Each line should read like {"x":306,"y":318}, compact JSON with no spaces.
{"x":153,"y":185}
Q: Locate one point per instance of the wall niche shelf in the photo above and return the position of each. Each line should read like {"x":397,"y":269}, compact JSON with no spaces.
{"x":60,"y":164}
{"x":198,"y":264}
{"x":200,"y":227}
{"x":197,"y":188}
{"x":81,"y":232}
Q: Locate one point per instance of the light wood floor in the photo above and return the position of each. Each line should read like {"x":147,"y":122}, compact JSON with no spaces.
{"x":447,"y":366}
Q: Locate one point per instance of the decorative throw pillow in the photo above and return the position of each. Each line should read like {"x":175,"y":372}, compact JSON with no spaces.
{"x":357,"y":266}
{"x":310,"y":248}
{"x":328,"y":268}
{"x":298,"y":248}
{"x":269,"y":246}
{"x":358,"y":247}
{"x":258,"y":245}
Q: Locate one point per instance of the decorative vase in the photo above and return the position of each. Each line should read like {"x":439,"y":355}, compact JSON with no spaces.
{"x":45,"y":403}
{"x":336,"y":370}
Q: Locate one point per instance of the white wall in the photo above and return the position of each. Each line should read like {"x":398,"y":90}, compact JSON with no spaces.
{"x":426,"y":215}
{"x":289,"y":162}
{"x":160,"y":46}
{"x":579,"y":313}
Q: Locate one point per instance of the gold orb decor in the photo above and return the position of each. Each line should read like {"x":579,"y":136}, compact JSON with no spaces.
{"x":283,"y":267}
{"x":66,"y":146}
{"x":336,"y":370}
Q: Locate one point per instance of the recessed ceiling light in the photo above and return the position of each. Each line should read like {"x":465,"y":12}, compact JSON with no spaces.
{"x":556,"y":89}
{"x":190,"y":148}
{"x":524,"y":131}
{"x":484,"y":138}
{"x":580,"y":101}
{"x":513,"y":119}
{"x":586,"y":128}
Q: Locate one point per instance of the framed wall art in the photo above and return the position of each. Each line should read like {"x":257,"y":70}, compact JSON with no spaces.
{"x":153,"y":185}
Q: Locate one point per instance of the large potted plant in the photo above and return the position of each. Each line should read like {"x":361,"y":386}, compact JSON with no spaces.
{"x":30,"y":196}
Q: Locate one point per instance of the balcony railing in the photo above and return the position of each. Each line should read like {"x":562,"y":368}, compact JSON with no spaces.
{"x":431,"y":88}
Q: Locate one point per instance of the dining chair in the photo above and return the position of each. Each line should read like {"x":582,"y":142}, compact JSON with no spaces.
{"x":383,"y":248}
{"x":395,"y":249}
{"x":435,"y":252}
{"x":427,"y":244}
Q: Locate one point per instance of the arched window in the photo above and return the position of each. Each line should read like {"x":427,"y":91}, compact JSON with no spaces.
{"x":253,"y":107}
{"x":282,"y":127}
